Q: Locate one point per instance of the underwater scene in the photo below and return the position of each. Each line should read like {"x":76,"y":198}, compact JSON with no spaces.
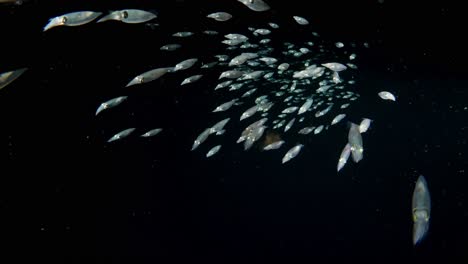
{"x":234,"y":130}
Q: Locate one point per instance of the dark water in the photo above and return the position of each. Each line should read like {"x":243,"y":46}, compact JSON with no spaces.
{"x":66,"y":192}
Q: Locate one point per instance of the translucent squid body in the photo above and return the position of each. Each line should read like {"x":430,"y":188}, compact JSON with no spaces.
{"x":421,"y":205}
{"x":72,"y":19}
{"x":111,"y":103}
{"x":355,"y":141}
{"x":122,"y":134}
{"x":8,"y":77}
{"x":130,"y":16}
{"x":149,"y":76}
{"x":255,"y":5}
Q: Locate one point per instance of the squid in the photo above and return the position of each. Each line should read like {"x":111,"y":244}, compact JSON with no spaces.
{"x":72,"y":19}
{"x":129,"y":16}
{"x":421,"y":205}
{"x":8,"y":77}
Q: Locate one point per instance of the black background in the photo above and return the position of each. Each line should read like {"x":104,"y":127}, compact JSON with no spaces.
{"x":65,"y":192}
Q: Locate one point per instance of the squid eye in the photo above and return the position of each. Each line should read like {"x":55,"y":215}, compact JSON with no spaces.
{"x":124,"y":14}
{"x":141,"y":80}
{"x":251,"y":1}
{"x":64,"y":20}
